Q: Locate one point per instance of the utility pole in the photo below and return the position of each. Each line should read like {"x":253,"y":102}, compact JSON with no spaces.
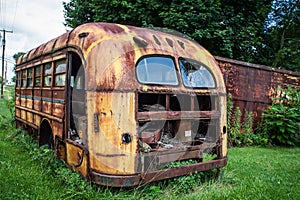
{"x":3,"y":50}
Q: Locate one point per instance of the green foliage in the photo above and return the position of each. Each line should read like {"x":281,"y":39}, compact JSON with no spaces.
{"x":240,"y":130}
{"x":17,"y":55}
{"x":6,"y":116}
{"x":144,"y":12}
{"x":188,"y":183}
{"x":281,"y":119}
{"x":283,"y":35}
{"x":229,"y":28}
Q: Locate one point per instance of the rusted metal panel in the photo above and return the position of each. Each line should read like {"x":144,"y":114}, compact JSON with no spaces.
{"x":37,"y":104}
{"x":29,"y":117}
{"x":46,"y":107}
{"x":37,"y":120}
{"x":29,"y":102}
{"x":57,"y":128}
{"x":138,"y":179}
{"x":57,"y":109}
{"x":18,"y":113}
{"x":108,"y":153}
{"x":23,"y":114}
{"x":77,"y":158}
{"x":253,"y":86}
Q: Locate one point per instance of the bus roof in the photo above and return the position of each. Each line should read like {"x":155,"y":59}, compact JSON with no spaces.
{"x":92,"y":33}
{"x":109,"y":51}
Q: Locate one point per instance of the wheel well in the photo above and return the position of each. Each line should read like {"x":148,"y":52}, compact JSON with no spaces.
{"x":45,"y":134}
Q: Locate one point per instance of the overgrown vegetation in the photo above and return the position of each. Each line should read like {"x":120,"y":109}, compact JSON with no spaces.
{"x":31,"y":172}
{"x":240,"y":130}
{"x":281,"y":121}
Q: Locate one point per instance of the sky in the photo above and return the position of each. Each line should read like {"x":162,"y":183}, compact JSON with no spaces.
{"x":33,"y":23}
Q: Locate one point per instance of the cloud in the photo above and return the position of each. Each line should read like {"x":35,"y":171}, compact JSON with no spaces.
{"x":35,"y":22}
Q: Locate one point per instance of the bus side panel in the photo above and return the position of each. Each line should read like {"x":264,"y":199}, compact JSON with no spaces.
{"x":23,"y":99}
{"x":37,"y":120}
{"x":29,"y":117}
{"x":47,"y":100}
{"x":58,"y":110}
{"x":18,"y":113}
{"x":28,"y":96}
{"x":37,"y":99}
{"x":57,"y":129}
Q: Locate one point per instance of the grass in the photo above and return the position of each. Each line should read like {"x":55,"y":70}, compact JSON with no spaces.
{"x":30,"y":172}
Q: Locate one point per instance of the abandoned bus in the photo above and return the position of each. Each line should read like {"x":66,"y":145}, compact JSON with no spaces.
{"x":120,"y":103}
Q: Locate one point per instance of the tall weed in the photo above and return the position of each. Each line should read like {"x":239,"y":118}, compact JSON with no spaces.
{"x":240,"y":129}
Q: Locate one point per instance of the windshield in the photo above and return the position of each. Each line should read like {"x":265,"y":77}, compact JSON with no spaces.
{"x":195,"y":74}
{"x":157,"y":70}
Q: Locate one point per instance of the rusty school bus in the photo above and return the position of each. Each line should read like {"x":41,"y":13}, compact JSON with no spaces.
{"x":119,"y":103}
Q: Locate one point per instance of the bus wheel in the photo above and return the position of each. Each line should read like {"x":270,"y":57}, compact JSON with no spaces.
{"x":46,"y":135}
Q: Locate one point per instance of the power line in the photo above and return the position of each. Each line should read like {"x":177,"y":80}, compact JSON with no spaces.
{"x":16,"y":7}
{"x":8,"y":60}
{"x":1,"y":11}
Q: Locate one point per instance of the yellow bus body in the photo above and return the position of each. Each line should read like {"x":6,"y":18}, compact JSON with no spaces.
{"x":119,"y":103}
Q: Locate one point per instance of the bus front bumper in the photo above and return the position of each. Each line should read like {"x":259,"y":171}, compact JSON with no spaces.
{"x":147,"y":177}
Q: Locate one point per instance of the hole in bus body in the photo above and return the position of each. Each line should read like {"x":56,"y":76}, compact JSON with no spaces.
{"x":175,"y":127}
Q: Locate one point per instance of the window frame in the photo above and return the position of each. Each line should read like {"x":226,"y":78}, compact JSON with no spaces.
{"x":157,"y":83}
{"x":24,"y":78}
{"x":58,"y":63}
{"x":47,"y":75}
{"x":18,"y":79}
{"x":29,"y":78}
{"x":37,"y":76}
{"x":203,"y":65}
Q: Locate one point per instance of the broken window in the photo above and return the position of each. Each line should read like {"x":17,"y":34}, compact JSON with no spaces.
{"x":195,"y":74}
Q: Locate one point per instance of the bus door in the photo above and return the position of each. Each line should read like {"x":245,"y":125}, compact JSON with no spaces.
{"x":76,"y":150}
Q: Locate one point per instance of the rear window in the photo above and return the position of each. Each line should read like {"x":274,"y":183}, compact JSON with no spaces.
{"x":157,"y":70}
{"x":195,"y":74}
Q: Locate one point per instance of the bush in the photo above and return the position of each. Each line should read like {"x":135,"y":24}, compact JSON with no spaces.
{"x":281,"y":120}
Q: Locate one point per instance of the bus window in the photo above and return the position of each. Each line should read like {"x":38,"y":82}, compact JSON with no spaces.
{"x":23,"y":77}
{"x":37,"y":76}
{"x":18,"y":79}
{"x":29,"y":78}
{"x":47,"y":74}
{"x":157,"y":70}
{"x":195,"y":74}
{"x":60,"y":76}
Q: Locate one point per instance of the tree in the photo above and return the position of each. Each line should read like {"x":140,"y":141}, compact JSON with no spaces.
{"x":13,"y":79}
{"x":131,"y":12}
{"x":230,"y":28}
{"x":17,"y":55}
{"x":283,"y":29}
